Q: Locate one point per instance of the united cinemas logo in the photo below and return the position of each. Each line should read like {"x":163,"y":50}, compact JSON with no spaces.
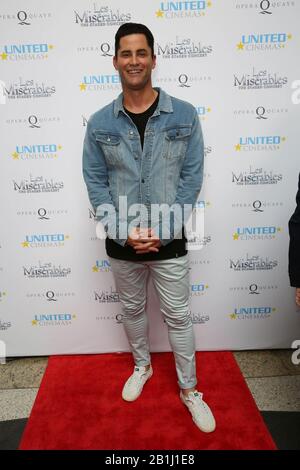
{"x":53,"y":240}
{"x":198,"y":289}
{"x":256,"y":176}
{"x":256,"y":233}
{"x":53,"y":319}
{"x":183,"y":48}
{"x":33,"y":121}
{"x":4,"y":325}
{"x":201,"y":204}
{"x":37,"y":184}
{"x":259,"y":143}
{"x":253,"y":263}
{"x":102,"y":266}
{"x":92,"y":83}
{"x":261,"y":79}
{"x":29,"y":89}
{"x":36,"y":151}
{"x":263,"y":42}
{"x":25,"y":18}
{"x":261,"y":112}
{"x":192,"y":9}
{"x":263,"y":7}
{"x":104,"y":49}
{"x":106,"y":296}
{"x":252,"y":313}
{"x":25,"y":52}
{"x":101,"y":16}
{"x":46,"y":271}
{"x":203,"y":112}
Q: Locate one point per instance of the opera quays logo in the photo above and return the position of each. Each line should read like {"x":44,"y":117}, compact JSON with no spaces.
{"x":259,"y":80}
{"x":101,"y":15}
{"x":25,"y":52}
{"x":53,"y":240}
{"x":257,"y":206}
{"x":184,"y":80}
{"x":183,"y":48}
{"x":261,"y":113}
{"x":36,"y":151}
{"x":252,"y":313}
{"x":182,"y":10}
{"x":91,"y":83}
{"x":256,"y":233}
{"x":25,"y":18}
{"x":27,"y":89}
{"x":256,"y":176}
{"x":263,"y":42}
{"x":104,"y":49}
{"x":259,"y":143}
{"x":33,"y":121}
{"x":53,"y":319}
{"x":263,"y":7}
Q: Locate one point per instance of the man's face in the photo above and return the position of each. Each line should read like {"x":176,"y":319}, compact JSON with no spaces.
{"x":134,"y":62}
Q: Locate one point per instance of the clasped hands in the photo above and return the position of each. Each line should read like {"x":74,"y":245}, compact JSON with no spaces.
{"x":143,"y":240}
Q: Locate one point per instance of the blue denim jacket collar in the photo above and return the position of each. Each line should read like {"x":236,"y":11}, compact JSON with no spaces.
{"x":164,"y":103}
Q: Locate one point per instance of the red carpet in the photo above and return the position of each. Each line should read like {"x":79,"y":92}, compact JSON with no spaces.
{"x":79,"y":406}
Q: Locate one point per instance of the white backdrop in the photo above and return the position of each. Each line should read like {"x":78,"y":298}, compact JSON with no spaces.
{"x":235,"y":61}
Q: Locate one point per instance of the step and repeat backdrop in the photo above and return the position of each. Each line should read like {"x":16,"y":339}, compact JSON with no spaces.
{"x":238,"y":63}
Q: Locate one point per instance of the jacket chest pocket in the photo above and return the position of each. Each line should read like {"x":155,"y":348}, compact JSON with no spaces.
{"x":110,"y":145}
{"x":176,"y":141}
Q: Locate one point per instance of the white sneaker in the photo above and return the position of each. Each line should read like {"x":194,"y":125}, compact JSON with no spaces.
{"x":134,"y":385}
{"x":200,"y":411}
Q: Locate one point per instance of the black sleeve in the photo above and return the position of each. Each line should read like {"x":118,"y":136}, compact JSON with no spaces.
{"x":294,"y":247}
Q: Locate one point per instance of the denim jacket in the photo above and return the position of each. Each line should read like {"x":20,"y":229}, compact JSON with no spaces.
{"x":168,"y":170}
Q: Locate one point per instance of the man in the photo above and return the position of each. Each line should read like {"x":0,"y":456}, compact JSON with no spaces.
{"x":294,"y":248}
{"x":148,"y":146}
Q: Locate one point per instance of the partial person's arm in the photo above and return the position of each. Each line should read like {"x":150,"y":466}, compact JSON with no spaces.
{"x":191,"y":178}
{"x":96,"y":178}
{"x":294,"y":247}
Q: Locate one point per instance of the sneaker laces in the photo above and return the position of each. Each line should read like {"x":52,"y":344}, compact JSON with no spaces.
{"x":136,"y":376}
{"x":196,"y":399}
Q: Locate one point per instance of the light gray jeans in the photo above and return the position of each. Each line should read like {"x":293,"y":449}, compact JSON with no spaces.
{"x":171,"y":281}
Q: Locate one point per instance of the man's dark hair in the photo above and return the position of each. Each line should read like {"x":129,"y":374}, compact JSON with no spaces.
{"x":133,"y":28}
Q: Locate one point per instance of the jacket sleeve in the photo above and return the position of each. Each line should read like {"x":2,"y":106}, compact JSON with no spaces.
{"x":294,"y":246}
{"x":96,"y":179}
{"x":190,"y":183}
